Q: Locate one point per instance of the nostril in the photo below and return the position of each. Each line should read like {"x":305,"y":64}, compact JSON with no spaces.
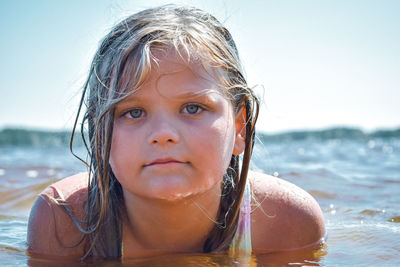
{"x":156,"y":141}
{"x":163,"y":135}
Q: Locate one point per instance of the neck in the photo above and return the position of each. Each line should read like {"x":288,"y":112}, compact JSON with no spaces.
{"x":171,"y":226}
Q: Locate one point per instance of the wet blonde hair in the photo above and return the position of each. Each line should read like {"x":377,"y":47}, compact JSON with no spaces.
{"x":121,"y":65}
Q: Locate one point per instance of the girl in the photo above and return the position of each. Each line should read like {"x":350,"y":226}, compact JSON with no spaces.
{"x":168,"y":112}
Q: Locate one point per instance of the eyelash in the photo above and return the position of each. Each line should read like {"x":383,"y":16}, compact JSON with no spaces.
{"x":129,"y":113}
{"x":199,"y":109}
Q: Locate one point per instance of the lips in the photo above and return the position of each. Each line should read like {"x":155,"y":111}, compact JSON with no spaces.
{"x":163,"y":161}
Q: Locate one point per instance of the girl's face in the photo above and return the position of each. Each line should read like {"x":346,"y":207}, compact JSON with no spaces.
{"x":175,"y":136}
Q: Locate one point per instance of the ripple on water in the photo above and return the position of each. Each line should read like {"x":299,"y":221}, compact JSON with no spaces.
{"x":394,"y":219}
{"x":19,"y":187}
{"x":372,"y":212}
{"x":363,"y":243}
{"x":13,"y":233}
{"x":322,"y":194}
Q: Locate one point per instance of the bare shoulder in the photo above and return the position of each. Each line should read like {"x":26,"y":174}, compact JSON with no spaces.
{"x":51,"y":231}
{"x":284,"y":217}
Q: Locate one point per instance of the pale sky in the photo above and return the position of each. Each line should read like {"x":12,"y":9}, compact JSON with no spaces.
{"x":316,"y":63}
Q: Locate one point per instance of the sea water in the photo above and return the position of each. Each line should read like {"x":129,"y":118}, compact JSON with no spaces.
{"x":356,"y":181}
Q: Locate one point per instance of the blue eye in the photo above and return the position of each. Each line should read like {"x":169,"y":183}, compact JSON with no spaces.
{"x":135,"y":113}
{"x":192,"y":109}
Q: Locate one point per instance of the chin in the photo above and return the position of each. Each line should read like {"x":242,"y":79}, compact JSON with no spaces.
{"x":176,"y":196}
{"x":177,"y":192}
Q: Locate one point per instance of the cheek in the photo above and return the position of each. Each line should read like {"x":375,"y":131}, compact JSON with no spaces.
{"x":120,"y":154}
{"x":227,"y":139}
{"x":226,"y":128}
{"x":115,"y":160}
{"x":217,"y":144}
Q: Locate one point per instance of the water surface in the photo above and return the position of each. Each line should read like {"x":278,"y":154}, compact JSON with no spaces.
{"x":356,"y":181}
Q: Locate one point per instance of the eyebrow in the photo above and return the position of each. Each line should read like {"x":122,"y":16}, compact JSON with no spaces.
{"x":199,"y":94}
{"x":204,"y":93}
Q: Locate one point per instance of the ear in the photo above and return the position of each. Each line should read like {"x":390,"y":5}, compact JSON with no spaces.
{"x":240,"y":133}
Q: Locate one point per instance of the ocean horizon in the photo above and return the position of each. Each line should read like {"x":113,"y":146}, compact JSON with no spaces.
{"x":26,"y":136}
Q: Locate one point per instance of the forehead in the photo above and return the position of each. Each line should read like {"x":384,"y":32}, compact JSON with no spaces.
{"x":171,"y":61}
{"x":176,"y":69}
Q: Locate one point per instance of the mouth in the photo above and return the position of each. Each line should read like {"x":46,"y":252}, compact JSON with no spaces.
{"x":163,"y":161}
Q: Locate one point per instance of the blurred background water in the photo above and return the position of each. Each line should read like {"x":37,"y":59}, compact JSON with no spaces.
{"x":354,"y":176}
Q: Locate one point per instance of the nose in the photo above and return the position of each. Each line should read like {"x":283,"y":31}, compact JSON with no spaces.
{"x":163,"y":132}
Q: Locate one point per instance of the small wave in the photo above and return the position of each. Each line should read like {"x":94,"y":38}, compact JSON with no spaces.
{"x":21,"y":198}
{"x":362,"y":225}
{"x":321,"y":194}
{"x":7,"y":248}
{"x":372,"y":212}
{"x":394,"y":219}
